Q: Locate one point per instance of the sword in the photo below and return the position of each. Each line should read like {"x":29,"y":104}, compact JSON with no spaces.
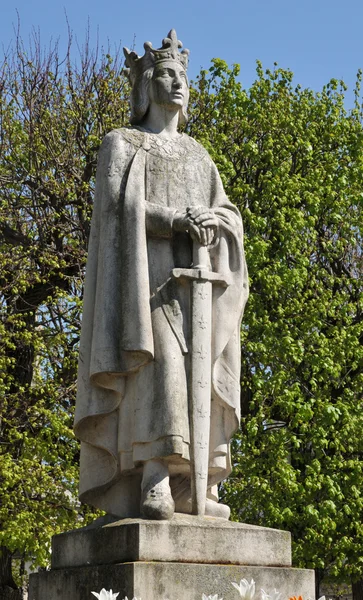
{"x":201,"y":278}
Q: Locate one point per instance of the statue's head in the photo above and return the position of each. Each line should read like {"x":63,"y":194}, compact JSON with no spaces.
{"x":159,"y":76}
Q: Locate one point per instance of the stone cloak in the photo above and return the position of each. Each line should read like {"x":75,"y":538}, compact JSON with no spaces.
{"x":117,"y":338}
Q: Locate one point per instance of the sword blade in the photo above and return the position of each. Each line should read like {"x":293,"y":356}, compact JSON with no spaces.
{"x":200,"y":392}
{"x":201,"y":279}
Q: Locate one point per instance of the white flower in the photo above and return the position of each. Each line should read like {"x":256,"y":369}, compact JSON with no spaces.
{"x":275,"y":595}
{"x":103,"y":595}
{"x":246,"y":590}
{"x":215,"y":597}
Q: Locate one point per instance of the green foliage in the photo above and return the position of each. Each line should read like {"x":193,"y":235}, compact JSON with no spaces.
{"x":53,"y":116}
{"x":292,"y":160}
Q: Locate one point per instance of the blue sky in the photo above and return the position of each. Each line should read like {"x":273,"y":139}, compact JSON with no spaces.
{"x":316,"y":39}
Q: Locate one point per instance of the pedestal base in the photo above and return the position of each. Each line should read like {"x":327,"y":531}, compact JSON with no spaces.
{"x":175,"y":560}
{"x":173,"y":581}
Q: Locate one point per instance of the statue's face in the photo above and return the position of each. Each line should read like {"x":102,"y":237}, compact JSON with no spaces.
{"x":169,"y":85}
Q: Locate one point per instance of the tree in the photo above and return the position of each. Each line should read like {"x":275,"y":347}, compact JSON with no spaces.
{"x":53,"y":116}
{"x":292,"y":160}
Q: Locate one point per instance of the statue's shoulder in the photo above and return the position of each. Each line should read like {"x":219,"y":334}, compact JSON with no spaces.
{"x":122,"y":136}
{"x":194,"y":148}
{"x":118,"y":148}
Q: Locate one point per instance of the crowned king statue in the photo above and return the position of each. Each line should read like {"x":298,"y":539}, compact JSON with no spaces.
{"x":159,"y":375}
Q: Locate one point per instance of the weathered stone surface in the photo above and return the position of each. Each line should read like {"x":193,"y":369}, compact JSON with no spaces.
{"x":158,"y":392}
{"x":183,"y":539}
{"x":175,"y":581}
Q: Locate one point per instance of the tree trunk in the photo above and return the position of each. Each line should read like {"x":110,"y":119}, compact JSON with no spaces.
{"x":357,"y":590}
{"x":8,"y":587}
{"x":319,"y":575}
{"x":8,"y":593}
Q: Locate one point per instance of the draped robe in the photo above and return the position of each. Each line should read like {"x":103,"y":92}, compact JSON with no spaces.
{"x":132,"y":390}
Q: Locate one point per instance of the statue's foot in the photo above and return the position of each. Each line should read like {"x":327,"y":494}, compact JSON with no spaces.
{"x":157,"y":504}
{"x":156,"y":499}
{"x":212,"y":508}
{"x":216,"y":509}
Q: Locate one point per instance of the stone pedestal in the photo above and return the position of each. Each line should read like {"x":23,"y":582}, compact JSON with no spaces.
{"x":179,"y":559}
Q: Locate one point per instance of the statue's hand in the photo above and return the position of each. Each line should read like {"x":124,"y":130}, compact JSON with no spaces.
{"x":200,"y":222}
{"x":183,"y":223}
{"x":207,"y":223}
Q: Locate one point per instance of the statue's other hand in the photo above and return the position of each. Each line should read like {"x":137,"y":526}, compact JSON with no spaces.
{"x":205,"y":235}
{"x":183,"y":223}
{"x":210,"y":234}
{"x":206,"y":221}
{"x":201,"y":215}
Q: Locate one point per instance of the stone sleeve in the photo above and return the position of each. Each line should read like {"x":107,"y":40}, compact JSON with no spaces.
{"x":159,"y":220}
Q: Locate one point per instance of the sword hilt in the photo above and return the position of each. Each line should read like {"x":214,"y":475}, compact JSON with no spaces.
{"x":201,"y":258}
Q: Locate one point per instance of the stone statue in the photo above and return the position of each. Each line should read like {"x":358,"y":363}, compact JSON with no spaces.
{"x":158,"y":196}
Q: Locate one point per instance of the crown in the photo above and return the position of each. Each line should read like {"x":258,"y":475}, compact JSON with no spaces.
{"x":169,"y":51}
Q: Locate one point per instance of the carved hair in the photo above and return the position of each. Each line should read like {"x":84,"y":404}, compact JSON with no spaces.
{"x":140,"y":99}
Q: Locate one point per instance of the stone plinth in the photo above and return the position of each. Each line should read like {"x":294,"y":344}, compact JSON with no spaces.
{"x":179,"y":559}
{"x":182,"y":539}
